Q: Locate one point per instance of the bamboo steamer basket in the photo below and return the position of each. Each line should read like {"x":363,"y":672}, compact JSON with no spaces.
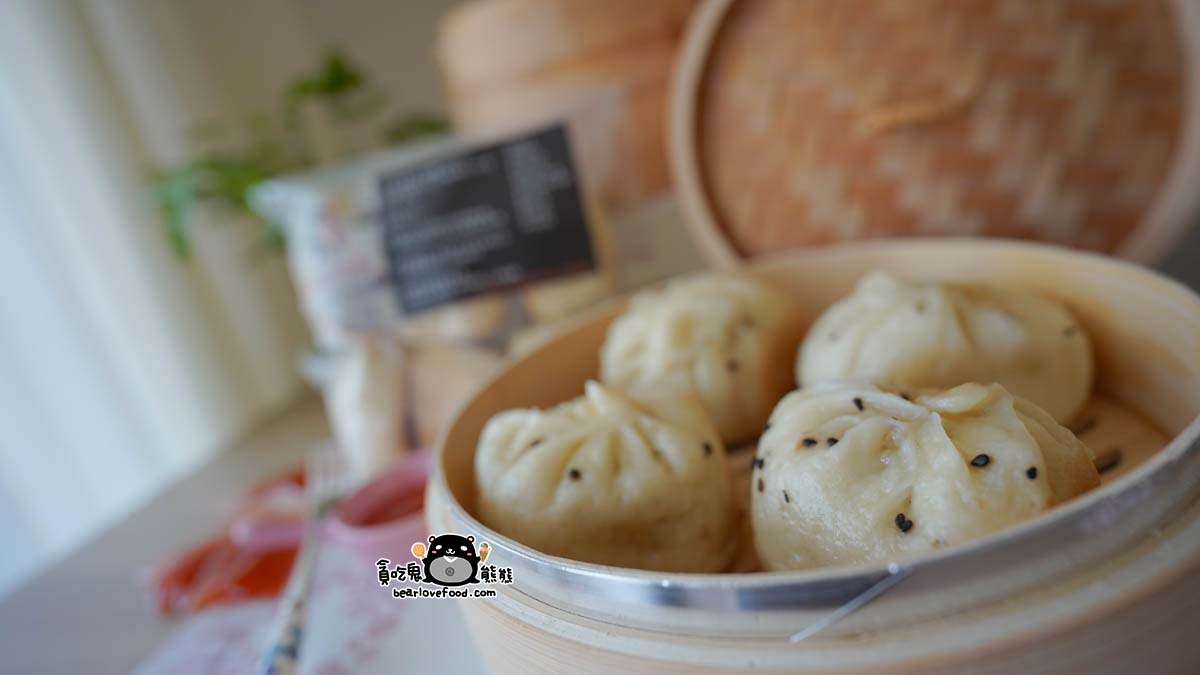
{"x":1103,"y":584}
{"x":606,"y":66}
{"x":804,"y":122}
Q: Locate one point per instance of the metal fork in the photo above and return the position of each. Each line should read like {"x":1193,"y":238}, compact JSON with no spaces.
{"x":325,"y":480}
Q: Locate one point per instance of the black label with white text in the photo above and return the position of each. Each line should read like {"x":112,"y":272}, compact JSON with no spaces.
{"x":486,"y":219}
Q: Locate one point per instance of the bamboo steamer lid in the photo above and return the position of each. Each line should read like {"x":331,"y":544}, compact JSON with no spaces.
{"x":805,"y":122}
{"x":606,"y":66}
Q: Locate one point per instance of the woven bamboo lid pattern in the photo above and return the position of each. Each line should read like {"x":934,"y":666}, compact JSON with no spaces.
{"x":802,"y":122}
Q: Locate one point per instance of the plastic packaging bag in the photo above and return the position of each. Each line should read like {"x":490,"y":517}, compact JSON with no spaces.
{"x":425,"y":260}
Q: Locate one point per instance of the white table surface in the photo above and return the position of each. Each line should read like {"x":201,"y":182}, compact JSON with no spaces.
{"x":91,"y":614}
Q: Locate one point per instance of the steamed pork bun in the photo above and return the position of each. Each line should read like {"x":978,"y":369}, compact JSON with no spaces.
{"x":724,"y":339}
{"x":894,"y":333}
{"x":847,"y":473}
{"x":612,"y":479}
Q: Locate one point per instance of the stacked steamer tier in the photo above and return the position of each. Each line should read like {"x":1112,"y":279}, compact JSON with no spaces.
{"x":600,"y":68}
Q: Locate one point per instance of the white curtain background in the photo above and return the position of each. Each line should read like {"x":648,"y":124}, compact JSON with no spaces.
{"x":121,"y":367}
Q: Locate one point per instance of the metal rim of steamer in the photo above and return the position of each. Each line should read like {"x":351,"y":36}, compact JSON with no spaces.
{"x":1137,"y":521}
{"x":788,"y":605}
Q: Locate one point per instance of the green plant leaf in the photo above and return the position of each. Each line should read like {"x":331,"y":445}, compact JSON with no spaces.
{"x":271,"y":242}
{"x":415,"y":125}
{"x":175,"y":194}
{"x":337,"y":76}
{"x":276,"y":144}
